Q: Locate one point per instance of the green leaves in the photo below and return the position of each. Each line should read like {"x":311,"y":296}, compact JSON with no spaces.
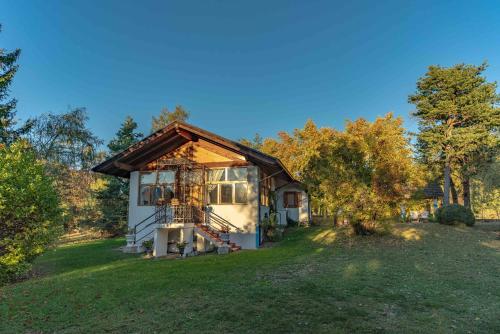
{"x":29,"y":209}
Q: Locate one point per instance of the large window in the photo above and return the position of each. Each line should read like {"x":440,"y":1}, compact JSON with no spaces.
{"x":156,"y":185}
{"x":227,"y":185}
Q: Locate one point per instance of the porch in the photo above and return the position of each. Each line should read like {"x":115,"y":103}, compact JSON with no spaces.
{"x":184,"y":229}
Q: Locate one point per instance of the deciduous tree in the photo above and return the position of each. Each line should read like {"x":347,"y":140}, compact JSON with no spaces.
{"x":29,"y":209}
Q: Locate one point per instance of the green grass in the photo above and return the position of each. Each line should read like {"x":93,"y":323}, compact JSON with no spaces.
{"x":427,"y":278}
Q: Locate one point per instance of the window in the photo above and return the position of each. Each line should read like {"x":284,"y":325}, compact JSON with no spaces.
{"x":292,"y":199}
{"x":227,"y":185}
{"x":240,"y":192}
{"x":226,"y":193}
{"x":154,"y":186}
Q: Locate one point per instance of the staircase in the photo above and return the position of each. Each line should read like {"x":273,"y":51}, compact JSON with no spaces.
{"x":213,"y":235}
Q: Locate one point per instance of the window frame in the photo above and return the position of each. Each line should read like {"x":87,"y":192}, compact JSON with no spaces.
{"x":296,"y":198}
{"x":153,"y":186}
{"x":226,"y":181}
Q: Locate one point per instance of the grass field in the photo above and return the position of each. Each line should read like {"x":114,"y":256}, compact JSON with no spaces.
{"x":427,"y":278}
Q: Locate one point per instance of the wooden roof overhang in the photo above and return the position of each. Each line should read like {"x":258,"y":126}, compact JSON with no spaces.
{"x":175,"y":135}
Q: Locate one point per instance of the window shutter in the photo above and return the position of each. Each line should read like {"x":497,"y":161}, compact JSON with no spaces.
{"x":299,"y":199}
{"x":285,"y":200}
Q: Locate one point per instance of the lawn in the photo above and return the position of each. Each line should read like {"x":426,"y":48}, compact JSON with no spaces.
{"x":427,"y":278}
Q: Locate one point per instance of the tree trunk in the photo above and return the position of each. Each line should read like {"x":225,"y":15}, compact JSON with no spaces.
{"x":466,"y":190}
{"x":446,"y":197}
{"x":454,"y":194}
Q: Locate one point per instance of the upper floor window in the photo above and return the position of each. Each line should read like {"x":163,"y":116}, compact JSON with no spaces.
{"x":156,"y":185}
{"x":227,"y":185}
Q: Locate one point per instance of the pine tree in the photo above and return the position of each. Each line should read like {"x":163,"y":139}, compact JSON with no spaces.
{"x":8,"y":69}
{"x":458,"y":121}
{"x":125,"y":136}
{"x":166,"y":117}
{"x":113,"y":199}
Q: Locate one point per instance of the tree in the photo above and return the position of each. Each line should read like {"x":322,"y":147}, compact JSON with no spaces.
{"x":113,"y":197}
{"x":458,"y":121}
{"x":364,"y":172}
{"x":29,"y":209}
{"x":8,"y":69}
{"x":64,"y":139}
{"x":368,"y":170}
{"x":68,"y":148}
{"x":486,"y":190}
{"x":255,"y":143}
{"x":125,"y":137}
{"x":166,"y":117}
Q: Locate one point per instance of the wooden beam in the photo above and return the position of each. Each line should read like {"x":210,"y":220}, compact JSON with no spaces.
{"x":226,"y":164}
{"x":123,"y":166}
{"x":158,"y":152}
{"x":220,"y":150}
{"x":150,"y":152}
{"x":186,"y":134}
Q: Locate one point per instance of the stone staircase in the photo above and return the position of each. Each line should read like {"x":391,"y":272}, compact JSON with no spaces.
{"x":214,"y":236}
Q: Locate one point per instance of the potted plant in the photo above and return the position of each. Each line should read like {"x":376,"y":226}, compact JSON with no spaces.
{"x":148,"y":246}
{"x":130,"y":237}
{"x":224,"y":234}
{"x":181,"y":246}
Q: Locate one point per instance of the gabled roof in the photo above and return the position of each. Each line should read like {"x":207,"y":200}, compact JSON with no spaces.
{"x":175,"y":135}
{"x":433,"y":190}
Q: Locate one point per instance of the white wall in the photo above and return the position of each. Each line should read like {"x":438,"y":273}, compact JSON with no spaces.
{"x":244,"y":216}
{"x":137,"y":213}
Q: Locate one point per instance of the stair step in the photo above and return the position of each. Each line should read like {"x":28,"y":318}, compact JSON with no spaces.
{"x":215,"y":236}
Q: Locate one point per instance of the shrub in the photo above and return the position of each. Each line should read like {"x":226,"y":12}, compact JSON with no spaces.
{"x":275,"y":234}
{"x":30,"y":217}
{"x":272,"y":230}
{"x":455,"y":214}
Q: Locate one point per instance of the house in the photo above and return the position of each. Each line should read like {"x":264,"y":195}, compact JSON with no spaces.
{"x":192,"y":186}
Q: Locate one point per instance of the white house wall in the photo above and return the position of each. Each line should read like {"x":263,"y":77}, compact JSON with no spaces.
{"x":136,"y":212}
{"x":244,"y":216}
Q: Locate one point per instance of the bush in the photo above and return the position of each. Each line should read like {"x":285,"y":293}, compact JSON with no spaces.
{"x":455,"y":214}
{"x":275,"y":234}
{"x":272,"y":230}
{"x":29,"y":210}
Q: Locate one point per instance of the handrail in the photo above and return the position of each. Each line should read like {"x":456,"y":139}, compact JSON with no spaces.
{"x":220,"y":221}
{"x":155,"y":214}
{"x":224,"y":220}
{"x":179,"y":212}
{"x":144,"y":236}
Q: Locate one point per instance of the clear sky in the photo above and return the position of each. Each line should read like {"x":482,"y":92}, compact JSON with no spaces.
{"x":239,"y":67}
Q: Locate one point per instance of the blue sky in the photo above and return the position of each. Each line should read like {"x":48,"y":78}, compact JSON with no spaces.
{"x":239,"y":67}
